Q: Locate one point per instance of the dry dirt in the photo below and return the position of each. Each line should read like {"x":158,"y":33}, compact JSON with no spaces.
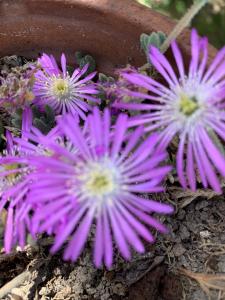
{"x":196,"y":243}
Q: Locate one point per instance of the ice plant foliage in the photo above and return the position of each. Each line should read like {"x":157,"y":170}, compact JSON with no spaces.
{"x":113,"y":90}
{"x":16,"y":87}
{"x":64,"y":93}
{"x":191,"y":105}
{"x":100,"y":184}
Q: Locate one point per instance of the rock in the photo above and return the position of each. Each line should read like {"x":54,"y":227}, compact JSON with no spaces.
{"x":202,"y":204}
{"x":199,"y":295}
{"x":178,"y":250}
{"x":221,"y":266}
{"x":184,"y":233}
{"x":118,"y":289}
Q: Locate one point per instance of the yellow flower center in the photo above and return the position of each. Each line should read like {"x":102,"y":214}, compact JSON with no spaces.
{"x":188,"y":105}
{"x":98,"y":180}
{"x":99,"y":183}
{"x":60,"y":87}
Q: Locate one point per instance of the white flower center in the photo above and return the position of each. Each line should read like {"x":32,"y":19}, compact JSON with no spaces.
{"x":61,"y":88}
{"x":99,"y":179}
{"x":99,"y":183}
{"x":188,"y":105}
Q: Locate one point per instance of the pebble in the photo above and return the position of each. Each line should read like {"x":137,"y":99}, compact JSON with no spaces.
{"x":205,"y":234}
{"x":184,"y":233}
{"x":201,"y":204}
{"x":178,"y":250}
{"x":181,"y":214}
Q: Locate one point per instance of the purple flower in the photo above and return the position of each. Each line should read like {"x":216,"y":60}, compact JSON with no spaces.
{"x":64,"y":93}
{"x":15,"y":180}
{"x":101,"y":183}
{"x":14,"y":186}
{"x":190,"y":105}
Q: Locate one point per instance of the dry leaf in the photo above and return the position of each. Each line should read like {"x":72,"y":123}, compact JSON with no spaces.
{"x":185,"y":197}
{"x":207,"y":281}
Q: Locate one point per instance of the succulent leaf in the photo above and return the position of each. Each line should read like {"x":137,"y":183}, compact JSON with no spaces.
{"x":154,"y":39}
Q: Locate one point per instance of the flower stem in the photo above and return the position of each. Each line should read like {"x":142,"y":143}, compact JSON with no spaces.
{"x":183,"y":23}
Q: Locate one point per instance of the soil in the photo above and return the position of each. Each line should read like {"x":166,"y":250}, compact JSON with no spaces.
{"x":195,"y":244}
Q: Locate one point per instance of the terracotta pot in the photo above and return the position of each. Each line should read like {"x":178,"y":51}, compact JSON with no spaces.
{"x":107,"y":29}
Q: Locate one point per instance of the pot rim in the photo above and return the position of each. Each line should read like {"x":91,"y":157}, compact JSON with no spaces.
{"x":31,"y":26}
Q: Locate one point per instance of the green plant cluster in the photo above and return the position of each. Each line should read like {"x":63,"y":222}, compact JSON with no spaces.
{"x":155,"y":38}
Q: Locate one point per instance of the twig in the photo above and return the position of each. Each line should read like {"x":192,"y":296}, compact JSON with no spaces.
{"x":207,"y":281}
{"x":19,"y":280}
{"x":16,"y":281}
{"x":183,"y":23}
{"x":180,"y":26}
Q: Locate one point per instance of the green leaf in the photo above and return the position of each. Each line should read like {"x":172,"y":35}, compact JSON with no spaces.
{"x":155,"y":39}
{"x":36,"y":112}
{"x":16,"y":120}
{"x":2,"y":130}
{"x":83,"y":59}
{"x":78,"y":55}
{"x":50,"y":115}
{"x":40,"y":124}
{"x":104,"y":78}
{"x":43,"y":120}
{"x":162,"y":37}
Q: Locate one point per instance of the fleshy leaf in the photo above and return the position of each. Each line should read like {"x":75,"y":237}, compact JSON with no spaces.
{"x":154,"y":39}
{"x":83,"y":59}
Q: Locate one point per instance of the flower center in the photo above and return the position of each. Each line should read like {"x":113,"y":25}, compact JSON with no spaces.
{"x":99,"y":180}
{"x":100,"y":183}
{"x":188,"y":105}
{"x":60,"y":87}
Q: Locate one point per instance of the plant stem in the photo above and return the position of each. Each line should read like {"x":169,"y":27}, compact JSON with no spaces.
{"x":183,"y":23}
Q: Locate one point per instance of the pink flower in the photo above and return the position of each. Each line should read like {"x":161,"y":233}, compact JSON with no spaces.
{"x":190,"y":105}
{"x":62,"y":92}
{"x":99,"y":184}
